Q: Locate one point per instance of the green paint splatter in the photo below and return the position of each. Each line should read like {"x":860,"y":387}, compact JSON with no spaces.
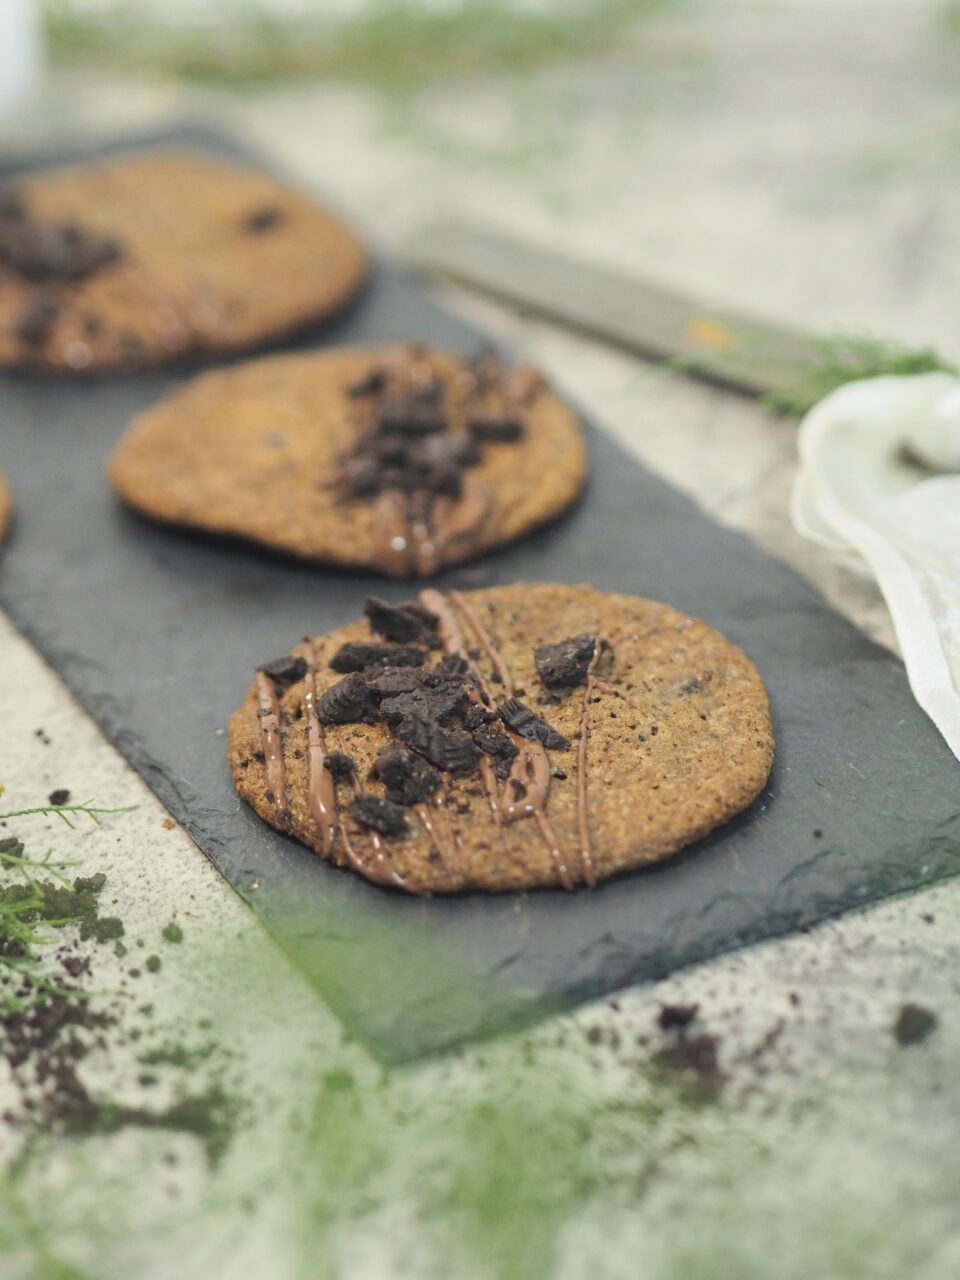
{"x":177,"y":1055}
{"x":389,"y":42}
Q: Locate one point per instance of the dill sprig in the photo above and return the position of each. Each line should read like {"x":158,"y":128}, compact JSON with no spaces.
{"x":24,"y":903}
{"x":847,"y":357}
{"x":91,"y":810}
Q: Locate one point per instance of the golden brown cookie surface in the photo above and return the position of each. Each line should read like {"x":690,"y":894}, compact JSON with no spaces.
{"x":397,"y":459}
{"x":6,"y":508}
{"x":503,"y":739}
{"x":149,"y":257}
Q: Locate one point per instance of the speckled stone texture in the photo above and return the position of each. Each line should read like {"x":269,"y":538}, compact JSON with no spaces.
{"x":211,"y":258}
{"x":685,"y":744}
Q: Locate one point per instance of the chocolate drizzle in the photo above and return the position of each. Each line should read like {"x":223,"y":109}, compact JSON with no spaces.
{"x":418,"y":438}
{"x":322,"y":786}
{"x":271,"y":738}
{"x":531,"y":767}
{"x":443,"y":718}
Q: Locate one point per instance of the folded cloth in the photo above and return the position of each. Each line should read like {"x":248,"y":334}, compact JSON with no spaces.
{"x":880,"y":474}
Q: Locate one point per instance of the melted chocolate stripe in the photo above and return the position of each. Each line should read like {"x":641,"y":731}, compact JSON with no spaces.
{"x":586,"y":845}
{"x":271,"y":739}
{"x":593,"y":682}
{"x":531,"y":766}
{"x":503,"y":671}
{"x":322,"y":787}
{"x":453,"y":643}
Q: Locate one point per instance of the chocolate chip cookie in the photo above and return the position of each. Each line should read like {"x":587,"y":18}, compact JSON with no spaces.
{"x":503,"y":739}
{"x":401,"y":459}
{"x":149,"y":257}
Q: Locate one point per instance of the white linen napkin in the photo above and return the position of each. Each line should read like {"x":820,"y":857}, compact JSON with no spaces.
{"x":880,"y":476}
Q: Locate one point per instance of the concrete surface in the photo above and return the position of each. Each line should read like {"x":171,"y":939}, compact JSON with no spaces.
{"x":799,"y":158}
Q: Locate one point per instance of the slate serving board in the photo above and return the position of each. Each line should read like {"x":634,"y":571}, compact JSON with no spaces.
{"x":158,"y":632}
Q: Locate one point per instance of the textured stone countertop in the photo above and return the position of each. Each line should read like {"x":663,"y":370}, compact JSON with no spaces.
{"x":797,"y":158}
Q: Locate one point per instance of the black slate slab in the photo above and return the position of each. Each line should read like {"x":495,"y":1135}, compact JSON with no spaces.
{"x":157,"y":633}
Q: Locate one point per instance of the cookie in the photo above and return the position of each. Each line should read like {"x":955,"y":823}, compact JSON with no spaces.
{"x":151,"y":257}
{"x":401,"y":459}
{"x":503,"y":739}
{"x":6,"y":508}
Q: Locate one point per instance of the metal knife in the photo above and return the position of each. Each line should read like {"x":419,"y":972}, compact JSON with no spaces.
{"x":712,"y":341}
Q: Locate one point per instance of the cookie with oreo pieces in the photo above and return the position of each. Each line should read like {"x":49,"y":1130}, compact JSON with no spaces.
{"x":457,"y":784}
{"x":357,"y":457}
{"x":145,"y":258}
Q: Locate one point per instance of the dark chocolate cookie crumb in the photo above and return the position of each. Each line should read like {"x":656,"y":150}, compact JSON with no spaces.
{"x":285,"y":671}
{"x":409,"y":779}
{"x":263,"y":219}
{"x":494,"y":742}
{"x":566,"y":662}
{"x":36,"y":318}
{"x":437,"y":705}
{"x":347,"y":701}
{"x":401,"y":623}
{"x":355,"y":656}
{"x":379,"y":814}
{"x":371,"y":385}
{"x":672,"y":1017}
{"x":340,"y":765}
{"x":387,"y":682}
{"x":491,"y":430}
{"x":451,"y":750}
{"x":914,"y":1023}
{"x":410,"y":417}
{"x":521,"y":720}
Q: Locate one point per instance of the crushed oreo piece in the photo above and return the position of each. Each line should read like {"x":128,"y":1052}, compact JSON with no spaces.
{"x":442,"y":450}
{"x":355,"y":657}
{"x":36,"y":318}
{"x":285,"y":671}
{"x":448,"y":668}
{"x":914,"y":1023}
{"x":263,"y":219}
{"x":565,"y":663}
{"x":53,"y":251}
{"x":401,"y":623}
{"x":379,"y":814}
{"x":476,"y":715}
{"x":411,"y":417}
{"x":521,"y":720}
{"x":387,"y":682}
{"x":12,"y":208}
{"x":495,"y":743}
{"x":362,"y":476}
{"x":409,"y":779}
{"x":451,"y":750}
{"x":495,"y":430}
{"x":370,"y":385}
{"x":675,"y":1017}
{"x":347,"y":702}
{"x":441,"y":704}
{"x":340,"y":765}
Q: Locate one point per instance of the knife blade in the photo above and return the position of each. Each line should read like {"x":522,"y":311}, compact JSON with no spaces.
{"x":712,"y":341}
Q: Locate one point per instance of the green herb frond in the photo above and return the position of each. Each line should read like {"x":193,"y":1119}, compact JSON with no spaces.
{"x":847,"y":357}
